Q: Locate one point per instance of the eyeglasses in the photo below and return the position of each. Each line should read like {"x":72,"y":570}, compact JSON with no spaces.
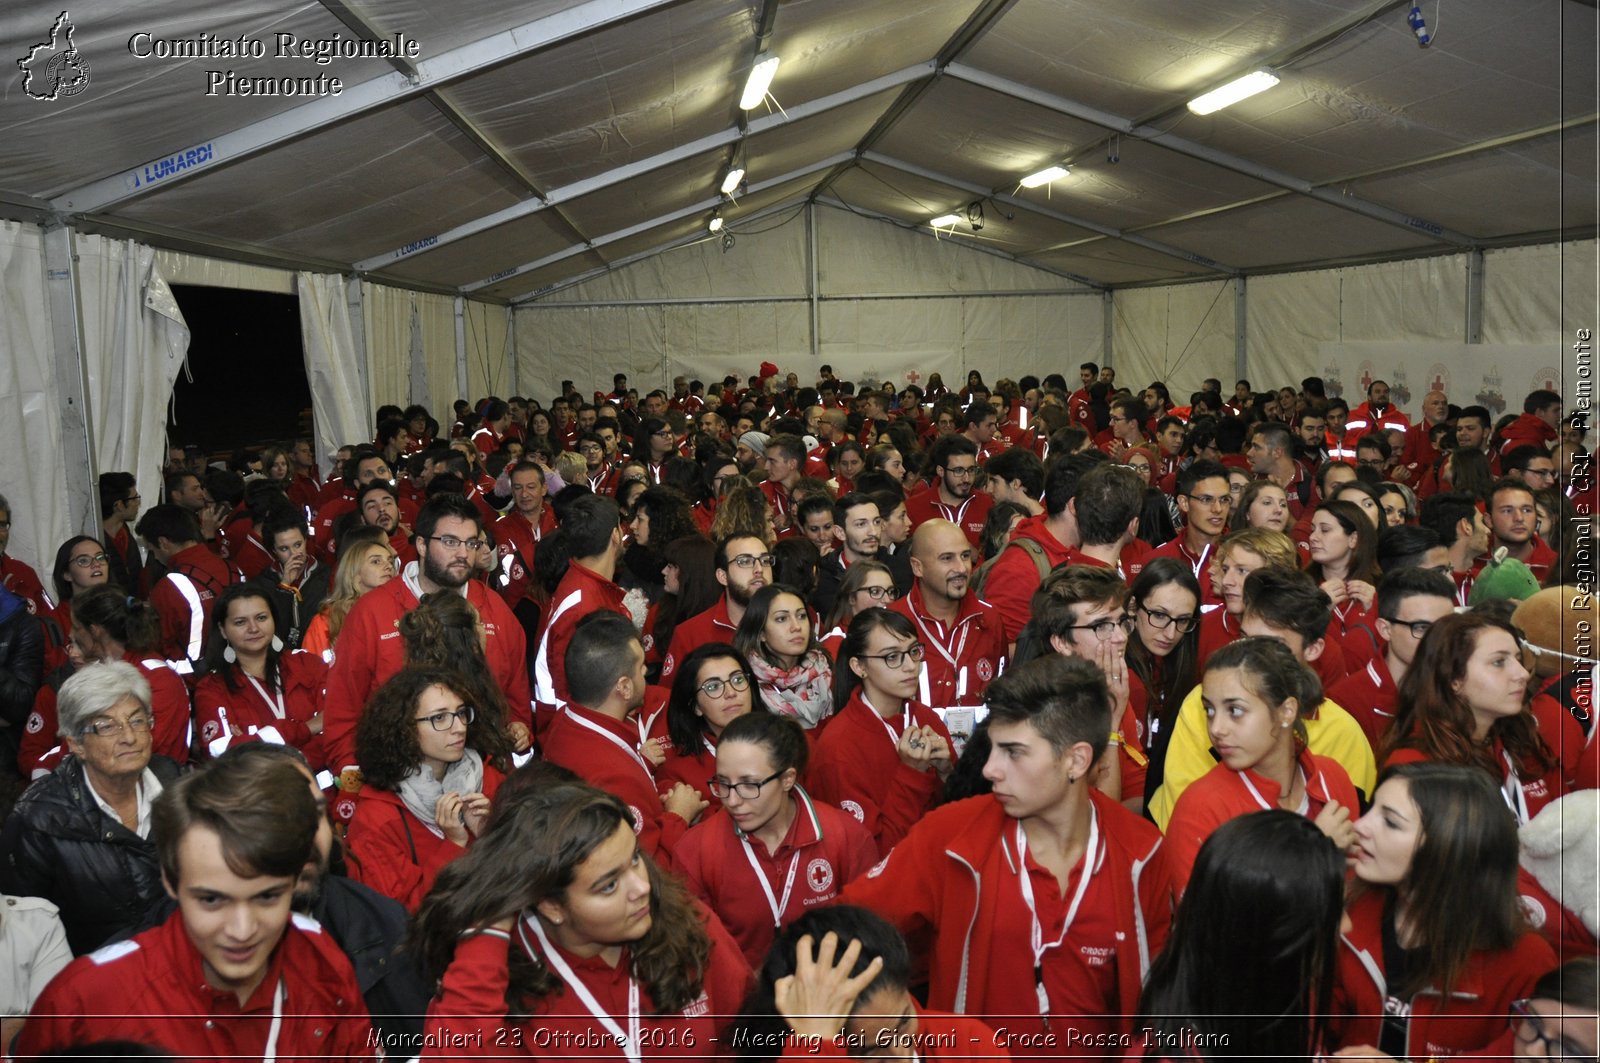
{"x":1529,"y":1027}
{"x":664,"y":432}
{"x":89,"y":560}
{"x":1211,"y":501}
{"x":1103,"y":628}
{"x":443,"y":721}
{"x":752,"y":560}
{"x":1161,"y":620}
{"x":1418,"y":628}
{"x":747,"y":790}
{"x":895,"y":658}
{"x":961,"y":474}
{"x":137,"y":724}
{"x":878,"y":594}
{"x":1544,"y":474}
{"x":450,"y":542}
{"x":131,"y":498}
{"x":712,"y":688}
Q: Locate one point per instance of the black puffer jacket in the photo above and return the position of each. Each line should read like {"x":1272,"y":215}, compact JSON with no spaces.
{"x":59,"y":845}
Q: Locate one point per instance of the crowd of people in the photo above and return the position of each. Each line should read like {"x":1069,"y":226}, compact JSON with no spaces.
{"x":1259,"y":726}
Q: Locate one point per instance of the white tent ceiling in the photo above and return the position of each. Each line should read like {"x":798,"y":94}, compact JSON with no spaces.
{"x":534,"y":141}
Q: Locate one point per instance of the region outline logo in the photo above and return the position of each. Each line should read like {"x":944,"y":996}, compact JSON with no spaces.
{"x":64,"y":73}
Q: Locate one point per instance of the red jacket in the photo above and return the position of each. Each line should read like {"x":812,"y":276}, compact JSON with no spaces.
{"x":1370,"y":695}
{"x":1526,"y":430}
{"x":605,"y":753}
{"x":20,"y":579}
{"x":468,"y":1020}
{"x":244,"y":712}
{"x":1363,"y":421}
{"x":183,"y":598}
{"x":856,"y":766}
{"x":1130,"y":562}
{"x":1222,"y":794}
{"x":1015,"y":576}
{"x":371,"y":650}
{"x":152,"y":989}
{"x":962,"y":657}
{"x":1199,"y":564}
{"x":1535,"y":792}
{"x":1475,"y":1013}
{"x":396,"y":853}
{"x":824,"y":849}
{"x":712,"y":625}
{"x":969,"y":516}
{"x":518,"y":540}
{"x":956,"y":875}
{"x":695,"y":767}
{"x":581,"y":591}
{"x":43,"y":748}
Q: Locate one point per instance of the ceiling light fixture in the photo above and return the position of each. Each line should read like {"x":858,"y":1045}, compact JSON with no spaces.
{"x":945,"y":221}
{"x":733,"y":179}
{"x":760,"y":80}
{"x":716,"y":223}
{"x":1045,"y":176}
{"x":1234,"y":91}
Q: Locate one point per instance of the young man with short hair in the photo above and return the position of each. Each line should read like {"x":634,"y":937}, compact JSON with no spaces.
{"x":1375,"y":415}
{"x":1531,"y":464}
{"x":1537,"y":424}
{"x":1512,"y":515}
{"x":783,"y":460}
{"x":1286,"y":605}
{"x":593,"y":530}
{"x":232,"y":973}
{"x":1271,"y":456}
{"x":1410,"y":601}
{"x":744,"y":566}
{"x":1017,"y":476}
{"x":1457,"y":518}
{"x":1204,"y":501}
{"x":185,"y":594}
{"x":858,"y":529}
{"x":951,"y":496}
{"x":1106,"y":509}
{"x":1127,"y":428}
{"x":1045,"y":901}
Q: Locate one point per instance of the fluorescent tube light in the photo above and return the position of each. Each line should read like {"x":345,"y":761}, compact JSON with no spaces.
{"x":761,"y":75}
{"x":1234,"y":91}
{"x":732,"y":181}
{"x":1045,"y":176}
{"x":945,"y":221}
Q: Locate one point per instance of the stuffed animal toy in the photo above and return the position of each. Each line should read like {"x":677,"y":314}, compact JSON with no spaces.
{"x":1561,"y":852}
{"x":1561,"y":626}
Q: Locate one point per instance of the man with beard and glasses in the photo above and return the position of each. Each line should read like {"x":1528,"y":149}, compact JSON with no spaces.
{"x":858,"y":527}
{"x":954,"y":461}
{"x":744,"y":566}
{"x":448,"y":537}
{"x":965,"y":641}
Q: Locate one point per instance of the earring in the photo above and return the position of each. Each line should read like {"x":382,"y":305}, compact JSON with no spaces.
{"x":229,"y":656}
{"x":277,"y":644}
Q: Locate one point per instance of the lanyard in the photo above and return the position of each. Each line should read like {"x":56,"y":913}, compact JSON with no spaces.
{"x":953,"y":514}
{"x":709,"y":747}
{"x":1199,"y":563}
{"x":629,"y":1040}
{"x":939,"y":645}
{"x":905,"y":720}
{"x":1513,"y":791}
{"x":274,"y":700}
{"x":270,"y":1055}
{"x":778,"y":906}
{"x":1036,"y":932}
{"x":614,"y":740}
{"x":1305,"y":794}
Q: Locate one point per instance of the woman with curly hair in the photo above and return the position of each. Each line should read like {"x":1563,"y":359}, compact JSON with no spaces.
{"x":445,"y":631}
{"x":556,"y":926}
{"x":776,"y":637}
{"x":1464,"y":700}
{"x":430,"y":765}
{"x":744,"y":511}
{"x":365,"y":563}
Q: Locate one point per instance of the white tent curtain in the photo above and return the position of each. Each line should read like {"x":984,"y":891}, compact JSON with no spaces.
{"x":134,"y":343}
{"x":339,"y":405}
{"x":30,"y":422}
{"x":386,"y":317}
{"x":488,"y":351}
{"x":436,"y":326}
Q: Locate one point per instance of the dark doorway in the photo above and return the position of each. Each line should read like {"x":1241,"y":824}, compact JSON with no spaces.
{"x":249,"y":388}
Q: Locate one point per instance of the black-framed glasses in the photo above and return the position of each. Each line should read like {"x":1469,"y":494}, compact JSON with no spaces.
{"x":1211,"y":500}
{"x":89,"y":560}
{"x":878,"y":594}
{"x":747,"y":790}
{"x":752,"y":560}
{"x":712,"y":688}
{"x":1162,"y":620}
{"x":895,"y":658}
{"x":443,"y":721}
{"x":1418,"y":628}
{"x":138,"y":723}
{"x":1529,"y":1027}
{"x":1103,"y":628}
{"x":450,"y":542}
{"x":970,"y":470}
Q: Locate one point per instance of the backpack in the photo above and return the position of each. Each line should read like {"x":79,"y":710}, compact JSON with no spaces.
{"x":1029,"y":547}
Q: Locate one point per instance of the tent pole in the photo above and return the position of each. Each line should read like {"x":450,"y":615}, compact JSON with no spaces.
{"x":1241,"y":337}
{"x":811,"y":279}
{"x":77,"y":421}
{"x":1474,"y":322}
{"x":1107,"y":323}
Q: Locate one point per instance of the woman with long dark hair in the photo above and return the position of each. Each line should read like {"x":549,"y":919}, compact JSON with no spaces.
{"x":1248,"y":969}
{"x":710,"y":689}
{"x":866,"y":584}
{"x":556,"y":932}
{"x":1165,"y":604}
{"x":430,"y":766}
{"x":690,"y":587}
{"x":445,"y":631}
{"x":776,"y":637}
{"x":1464,"y":700}
{"x":1438,"y":947}
{"x":653,"y":444}
{"x":743,"y":861}
{"x":1343,"y":542}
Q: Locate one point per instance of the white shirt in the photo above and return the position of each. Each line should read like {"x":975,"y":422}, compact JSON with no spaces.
{"x":149,"y":786}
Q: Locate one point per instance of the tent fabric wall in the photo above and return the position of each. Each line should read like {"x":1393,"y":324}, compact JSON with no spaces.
{"x":386,"y":319}
{"x":340,"y":409}
{"x":135,"y":342}
{"x":436,"y":326}
{"x":1541,"y":294}
{"x":587,"y":345}
{"x":30,"y":421}
{"x":1178,"y":334}
{"x":488,"y":350}
{"x":180,"y":267}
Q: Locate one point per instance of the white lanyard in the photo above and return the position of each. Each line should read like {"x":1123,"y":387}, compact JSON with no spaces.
{"x":1036,"y":932}
{"x":905,"y":720}
{"x":953,"y":514}
{"x":1199,"y":563}
{"x":628,"y":1041}
{"x":1513,"y":791}
{"x":938,"y":644}
{"x":578,"y":719}
{"x":1305,"y":793}
{"x":270,"y":1054}
{"x":778,"y":906}
{"x":275,"y":700}
{"x":709,"y":747}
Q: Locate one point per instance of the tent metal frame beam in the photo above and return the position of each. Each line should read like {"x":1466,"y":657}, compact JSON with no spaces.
{"x":1046,"y":212}
{"x":434,"y":73}
{"x":617,"y":175}
{"x":700,"y":207}
{"x":1225,"y":160}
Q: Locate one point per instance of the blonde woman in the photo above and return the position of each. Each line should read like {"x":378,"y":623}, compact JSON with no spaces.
{"x":364,"y":564}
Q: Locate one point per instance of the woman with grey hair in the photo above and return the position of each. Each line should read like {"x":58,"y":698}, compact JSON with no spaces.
{"x":80,"y":836}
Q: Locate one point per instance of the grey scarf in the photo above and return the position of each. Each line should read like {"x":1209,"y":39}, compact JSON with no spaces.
{"x":420,"y":791}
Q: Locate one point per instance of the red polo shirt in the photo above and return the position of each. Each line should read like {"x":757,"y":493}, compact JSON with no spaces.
{"x":1369,"y":694}
{"x":969,"y":516}
{"x":712,"y":625}
{"x":962,"y":656}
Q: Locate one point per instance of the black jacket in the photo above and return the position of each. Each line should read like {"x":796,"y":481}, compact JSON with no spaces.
{"x":290,"y":614}
{"x":21,"y":663}
{"x":58,"y":844}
